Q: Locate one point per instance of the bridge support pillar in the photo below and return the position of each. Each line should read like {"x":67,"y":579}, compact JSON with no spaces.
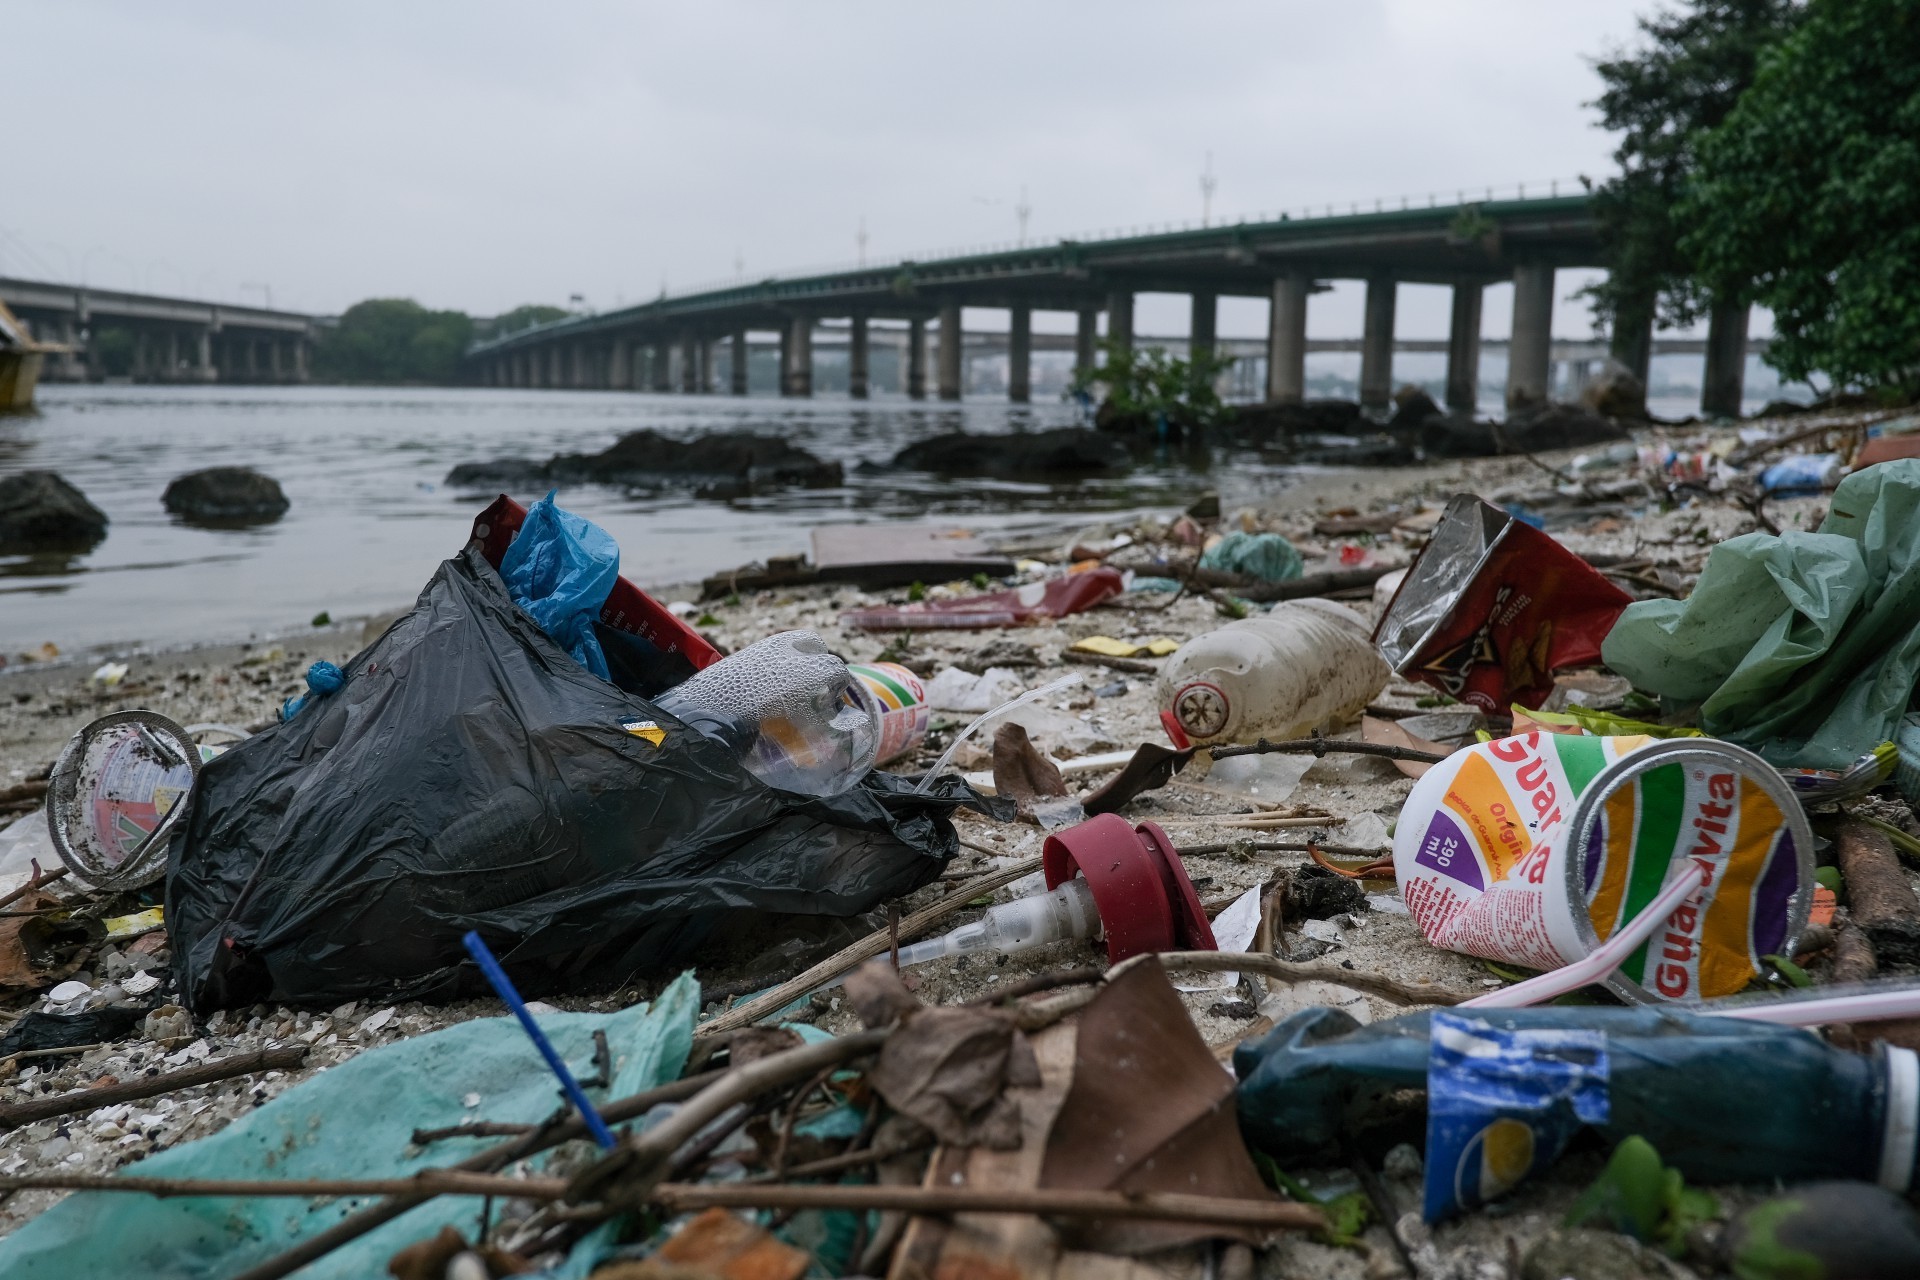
{"x":799,"y":362}
{"x":1287,"y":338}
{"x":1204,"y":324}
{"x":300,"y":370}
{"x":1020,"y":356}
{"x":173,"y":356}
{"x":555,"y":377}
{"x":689,"y":364}
{"x":1463,"y":347}
{"x":1724,"y":384}
{"x":620,"y":365}
{"x":858,"y":358}
{"x":917,"y":358}
{"x":951,"y":358}
{"x":662,"y":366}
{"x":203,"y":369}
{"x":1120,"y":321}
{"x":1086,"y":338}
{"x":737,"y":363}
{"x":1376,"y":344}
{"x":706,"y":366}
{"x":1532,"y":345}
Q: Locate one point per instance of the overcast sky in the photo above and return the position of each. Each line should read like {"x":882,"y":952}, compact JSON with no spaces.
{"x":478,"y":155}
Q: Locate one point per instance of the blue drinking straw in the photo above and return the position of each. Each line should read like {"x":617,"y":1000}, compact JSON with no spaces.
{"x":477,"y":948}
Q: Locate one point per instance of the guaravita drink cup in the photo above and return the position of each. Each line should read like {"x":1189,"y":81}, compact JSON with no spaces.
{"x":1531,"y":850}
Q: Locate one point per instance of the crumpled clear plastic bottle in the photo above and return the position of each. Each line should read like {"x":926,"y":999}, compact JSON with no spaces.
{"x":799,"y":719}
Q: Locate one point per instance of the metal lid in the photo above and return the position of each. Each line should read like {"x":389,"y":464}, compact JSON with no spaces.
{"x":115,"y":795}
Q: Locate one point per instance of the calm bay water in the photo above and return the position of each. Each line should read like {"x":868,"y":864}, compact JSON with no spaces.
{"x":371,"y":516}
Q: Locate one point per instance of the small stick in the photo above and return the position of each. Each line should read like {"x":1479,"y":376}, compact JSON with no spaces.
{"x":44,"y":878}
{"x":493,"y":1158}
{"x":55,"y":1053}
{"x":1037,"y":983}
{"x":680,"y":1197}
{"x":24,"y":791}
{"x":893,"y":935}
{"x":1285,"y":846}
{"x":850,"y":958}
{"x":1133,"y":666}
{"x":841,"y":1163}
{"x":1287,"y":971}
{"x":1322,"y":747}
{"x":481,"y":1129}
{"x":643,"y":1160}
{"x":23,"y":1113}
{"x":1041,"y":1201}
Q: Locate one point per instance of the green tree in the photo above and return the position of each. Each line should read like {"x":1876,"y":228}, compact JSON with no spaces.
{"x":1148,"y":382}
{"x":1810,"y":193}
{"x":1662,"y":99}
{"x":394,"y":340}
{"x":524,"y":316}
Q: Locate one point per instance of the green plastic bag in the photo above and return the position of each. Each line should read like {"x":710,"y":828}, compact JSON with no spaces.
{"x":355,"y":1120}
{"x":1266,"y":556}
{"x":1803,"y":646}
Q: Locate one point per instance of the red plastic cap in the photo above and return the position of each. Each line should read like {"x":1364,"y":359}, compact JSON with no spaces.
{"x":1175,"y":733}
{"x":1139,"y":884}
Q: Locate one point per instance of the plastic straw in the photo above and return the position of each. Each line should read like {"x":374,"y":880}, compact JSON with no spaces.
{"x":1813,"y":1011}
{"x":477,"y":948}
{"x":1606,"y":957}
{"x":1030,"y":695}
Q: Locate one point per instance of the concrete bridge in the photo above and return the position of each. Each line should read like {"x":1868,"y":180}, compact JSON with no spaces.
{"x":173,"y":339}
{"x":672,"y":341}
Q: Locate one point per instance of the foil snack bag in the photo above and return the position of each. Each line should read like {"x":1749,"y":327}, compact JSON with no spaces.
{"x":1493,"y":607}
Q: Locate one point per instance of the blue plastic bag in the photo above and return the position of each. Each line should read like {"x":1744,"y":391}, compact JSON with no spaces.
{"x":1502,"y":1104}
{"x":560,"y":569}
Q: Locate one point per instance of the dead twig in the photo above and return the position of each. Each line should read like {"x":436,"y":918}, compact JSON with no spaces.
{"x":686,"y":1197}
{"x":1323,"y":747}
{"x":867,"y":948}
{"x":565,"y":1127}
{"x":841,"y":1163}
{"x":1287,"y":971}
{"x":14,"y":1115}
{"x":44,"y":878}
{"x":1133,"y":666}
{"x":1037,"y":983}
{"x":479,"y":1129}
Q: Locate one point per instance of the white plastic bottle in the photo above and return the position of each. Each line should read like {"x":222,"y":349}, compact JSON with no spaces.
{"x":799,"y":719}
{"x":1063,"y":913}
{"x":1308,"y":665}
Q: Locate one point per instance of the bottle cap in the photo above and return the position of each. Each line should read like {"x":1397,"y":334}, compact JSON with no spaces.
{"x":1898,"y":1145}
{"x":1139,"y":884}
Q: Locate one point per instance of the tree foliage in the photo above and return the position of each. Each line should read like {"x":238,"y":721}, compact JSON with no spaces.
{"x":1149,"y":382}
{"x":1809,"y":192}
{"x":1663,"y":98}
{"x":524,"y":316}
{"x":394,"y":340}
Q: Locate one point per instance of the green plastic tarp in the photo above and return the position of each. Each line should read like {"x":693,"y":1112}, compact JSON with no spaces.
{"x":1802,"y":646}
{"x":354,"y":1120}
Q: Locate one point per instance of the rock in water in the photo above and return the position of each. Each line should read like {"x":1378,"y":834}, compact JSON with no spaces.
{"x":1031,"y":455}
{"x":1411,"y":407}
{"x":39,"y":511}
{"x":226,"y":496}
{"x":722,"y":464}
{"x":1616,"y":393}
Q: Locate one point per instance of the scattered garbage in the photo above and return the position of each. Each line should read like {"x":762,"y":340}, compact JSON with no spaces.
{"x":1682,"y":1080}
{"x":1804,"y":647}
{"x":1535,"y":849}
{"x":1266,"y":556}
{"x":114,"y":796}
{"x":1307,"y":665}
{"x":902,"y":703}
{"x":587,"y":832}
{"x":1493,"y":607}
{"x":793,"y":713}
{"x":1055,"y":598}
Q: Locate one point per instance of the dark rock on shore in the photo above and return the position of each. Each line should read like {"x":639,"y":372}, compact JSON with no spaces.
{"x":1412,"y":407}
{"x":1551,"y":426}
{"x":226,"y":496}
{"x":1615,"y":392}
{"x":723,"y":464}
{"x":1065,"y":453}
{"x":40,"y":511}
{"x":1257,"y":424}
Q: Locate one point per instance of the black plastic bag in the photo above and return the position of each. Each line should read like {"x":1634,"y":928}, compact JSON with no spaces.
{"x":472,"y":775}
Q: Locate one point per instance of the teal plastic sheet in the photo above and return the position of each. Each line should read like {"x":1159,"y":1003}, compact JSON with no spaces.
{"x":1266,"y":556}
{"x":1805,"y":646}
{"x":350,"y":1121}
